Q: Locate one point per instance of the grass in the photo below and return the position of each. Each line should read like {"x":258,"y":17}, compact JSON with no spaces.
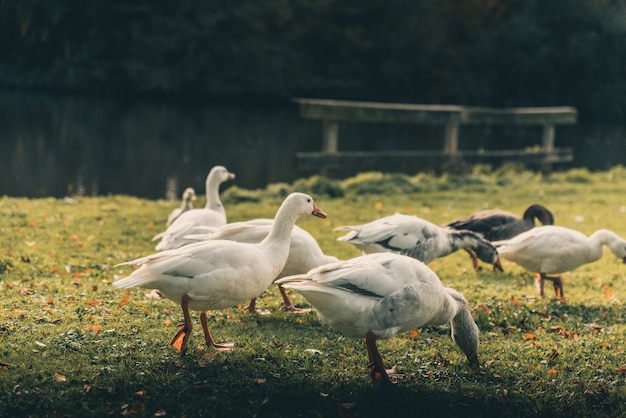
{"x":73,"y":345}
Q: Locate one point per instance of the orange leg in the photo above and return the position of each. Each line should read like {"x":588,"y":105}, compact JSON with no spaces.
{"x":472,"y":255}
{"x":208,"y":338}
{"x":288,"y":304}
{"x":557,"y":283}
{"x":251,"y":308}
{"x":181,"y":338}
{"x":378,"y":373}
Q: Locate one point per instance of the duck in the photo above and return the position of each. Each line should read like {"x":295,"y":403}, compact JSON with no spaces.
{"x":304,"y":251}
{"x":498,"y":225}
{"x":219,"y":274}
{"x":212,"y":215}
{"x":376,"y":296}
{"x":553,"y":249}
{"x":417,"y":238}
{"x":189,"y":195}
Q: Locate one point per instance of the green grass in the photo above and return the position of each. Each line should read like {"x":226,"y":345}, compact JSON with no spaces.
{"x":71,"y":345}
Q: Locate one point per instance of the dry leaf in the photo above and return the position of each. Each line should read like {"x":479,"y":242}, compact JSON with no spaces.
{"x":59,"y":377}
{"x":125,"y":300}
{"x":515,"y":301}
{"x":529,"y":336}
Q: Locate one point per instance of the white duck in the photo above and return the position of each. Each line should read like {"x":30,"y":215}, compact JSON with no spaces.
{"x":212,"y":215}
{"x":417,"y":238}
{"x":219,"y":274}
{"x":189,"y":195}
{"x":376,"y":296}
{"x":551,"y":249}
{"x":497,"y":225}
{"x":304,"y":251}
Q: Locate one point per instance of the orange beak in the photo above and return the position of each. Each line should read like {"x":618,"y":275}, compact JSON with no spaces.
{"x":318,"y":212}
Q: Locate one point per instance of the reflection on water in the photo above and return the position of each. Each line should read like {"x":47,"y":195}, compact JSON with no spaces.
{"x":55,"y":145}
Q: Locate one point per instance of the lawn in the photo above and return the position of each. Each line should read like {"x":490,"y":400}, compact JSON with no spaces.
{"x":73,"y":345}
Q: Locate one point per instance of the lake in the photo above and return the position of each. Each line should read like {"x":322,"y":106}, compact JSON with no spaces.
{"x":54,"y":145}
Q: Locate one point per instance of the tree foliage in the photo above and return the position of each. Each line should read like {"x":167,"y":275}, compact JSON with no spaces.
{"x":478,"y":52}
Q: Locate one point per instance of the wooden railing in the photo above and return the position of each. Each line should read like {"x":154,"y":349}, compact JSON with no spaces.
{"x":332,"y":112}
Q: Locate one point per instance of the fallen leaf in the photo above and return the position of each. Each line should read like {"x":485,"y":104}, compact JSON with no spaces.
{"x":93,"y":302}
{"x":515,"y":300}
{"x":59,"y":377}
{"x":414,"y":333}
{"x":378,"y":205}
{"x":125,"y":300}
{"x":529,"y":336}
{"x":608,"y":293}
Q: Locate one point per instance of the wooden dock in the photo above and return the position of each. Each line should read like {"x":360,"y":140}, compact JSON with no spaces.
{"x":333,"y":112}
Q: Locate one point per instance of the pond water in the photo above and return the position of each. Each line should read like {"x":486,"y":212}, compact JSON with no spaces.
{"x":53,"y":145}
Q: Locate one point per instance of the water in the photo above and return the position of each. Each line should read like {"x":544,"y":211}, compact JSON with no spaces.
{"x":56,"y":146}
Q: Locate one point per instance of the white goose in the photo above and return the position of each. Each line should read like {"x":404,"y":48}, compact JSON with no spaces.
{"x":212,"y":215}
{"x":376,"y":296}
{"x":189,"y":195}
{"x":219,"y":274}
{"x":417,"y":238}
{"x":551,"y":249}
{"x":497,"y":225}
{"x":304,"y":251}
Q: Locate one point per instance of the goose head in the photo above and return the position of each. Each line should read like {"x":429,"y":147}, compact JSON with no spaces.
{"x":301,"y":204}
{"x":541,"y":213}
{"x":489,"y":254}
{"x":189,"y":194}
{"x":465,"y":332}
{"x":219,"y":174}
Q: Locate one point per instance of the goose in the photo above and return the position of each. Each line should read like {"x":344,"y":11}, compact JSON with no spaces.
{"x":377,"y":296}
{"x":304,"y":251}
{"x":212,"y":215}
{"x":417,"y":238}
{"x":219,"y":274}
{"x":189,"y":195}
{"x":498,"y":225}
{"x":551,"y":249}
